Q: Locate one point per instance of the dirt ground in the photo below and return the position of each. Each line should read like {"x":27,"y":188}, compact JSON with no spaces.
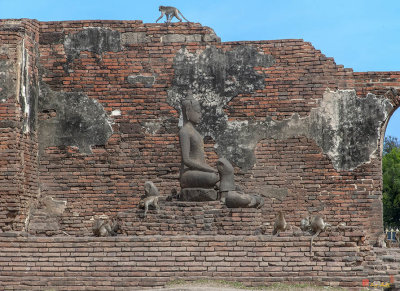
{"x":233,"y":286}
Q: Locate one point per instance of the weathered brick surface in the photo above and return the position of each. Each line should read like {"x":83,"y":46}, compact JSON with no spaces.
{"x":71,"y":263}
{"x":129,"y":78}
{"x":18,"y":136}
{"x":193,"y":218}
{"x":111,"y":179}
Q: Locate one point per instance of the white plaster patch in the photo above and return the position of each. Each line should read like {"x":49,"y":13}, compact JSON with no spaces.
{"x":151,"y":127}
{"x":349,"y":127}
{"x":24,"y":85}
{"x":116,"y":112}
{"x":53,"y":206}
{"x":237,"y":124}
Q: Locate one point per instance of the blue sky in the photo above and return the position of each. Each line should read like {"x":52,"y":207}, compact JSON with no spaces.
{"x":359,"y":34}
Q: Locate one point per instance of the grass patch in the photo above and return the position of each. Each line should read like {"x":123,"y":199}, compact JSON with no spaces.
{"x":240,"y":285}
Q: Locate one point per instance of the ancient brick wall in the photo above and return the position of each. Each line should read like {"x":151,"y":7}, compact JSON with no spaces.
{"x":195,"y":218}
{"x":111,"y":178}
{"x":134,"y":73}
{"x":18,"y":130}
{"x":71,"y":263}
{"x":90,"y":110}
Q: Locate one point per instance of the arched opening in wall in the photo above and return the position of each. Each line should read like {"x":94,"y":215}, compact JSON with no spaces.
{"x":391,"y":178}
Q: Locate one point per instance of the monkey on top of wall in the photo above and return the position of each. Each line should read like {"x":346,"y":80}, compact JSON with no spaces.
{"x":170,"y":12}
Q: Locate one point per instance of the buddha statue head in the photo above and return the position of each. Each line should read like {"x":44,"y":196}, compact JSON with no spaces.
{"x":191,"y":109}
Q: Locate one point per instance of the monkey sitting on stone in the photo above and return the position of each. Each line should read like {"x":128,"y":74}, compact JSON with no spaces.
{"x":150,"y":198}
{"x":261,"y":230}
{"x":103,"y":227}
{"x":317,"y":225}
{"x":170,"y":12}
{"x":381,"y":240}
{"x":280,"y":223}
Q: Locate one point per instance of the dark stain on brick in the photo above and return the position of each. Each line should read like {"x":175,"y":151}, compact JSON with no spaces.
{"x":7,"y":80}
{"x":47,"y":38}
{"x":345,"y":126}
{"x":131,"y":128}
{"x":94,"y":39}
{"x":146,"y":81}
{"x":79,"y":121}
{"x":216,"y":77}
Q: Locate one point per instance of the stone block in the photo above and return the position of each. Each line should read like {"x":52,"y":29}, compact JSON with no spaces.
{"x":129,"y":38}
{"x":198,"y":194}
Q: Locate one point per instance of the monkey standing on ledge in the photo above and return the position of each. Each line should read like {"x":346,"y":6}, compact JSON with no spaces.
{"x":317,"y":225}
{"x":150,"y":197}
{"x":170,"y":12}
{"x":149,"y":201}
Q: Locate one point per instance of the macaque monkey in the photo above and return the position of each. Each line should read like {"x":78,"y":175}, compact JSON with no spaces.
{"x":305,"y":224}
{"x":150,"y":189}
{"x":151,"y":195}
{"x":381,"y":240}
{"x":105,"y":227}
{"x":280,"y":223}
{"x":170,"y":12}
{"x":317,"y":225}
{"x":262,"y":229}
{"x":146,"y":202}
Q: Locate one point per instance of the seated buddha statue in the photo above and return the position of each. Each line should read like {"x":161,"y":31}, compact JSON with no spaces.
{"x":198,"y":179}
{"x":195,"y":173}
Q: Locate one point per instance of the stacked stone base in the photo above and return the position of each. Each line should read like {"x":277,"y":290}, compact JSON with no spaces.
{"x":198,"y":194}
{"x":132,"y":262}
{"x":193,"y":218}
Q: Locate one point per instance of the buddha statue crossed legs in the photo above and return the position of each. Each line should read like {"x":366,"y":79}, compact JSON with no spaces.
{"x":199,"y":179}
{"x":195,"y":173}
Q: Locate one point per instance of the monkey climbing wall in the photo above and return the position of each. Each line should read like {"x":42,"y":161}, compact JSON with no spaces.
{"x":90,"y":110}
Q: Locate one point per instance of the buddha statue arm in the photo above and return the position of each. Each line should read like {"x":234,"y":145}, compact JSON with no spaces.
{"x":187,"y":161}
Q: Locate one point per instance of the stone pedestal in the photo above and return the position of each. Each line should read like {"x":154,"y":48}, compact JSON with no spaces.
{"x":198,"y":194}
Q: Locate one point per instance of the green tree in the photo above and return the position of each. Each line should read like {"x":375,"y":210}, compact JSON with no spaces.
{"x":391,"y":188}
{"x":390,"y":143}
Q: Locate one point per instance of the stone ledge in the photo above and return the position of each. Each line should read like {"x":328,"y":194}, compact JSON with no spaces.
{"x":136,"y":262}
{"x":288,"y":236}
